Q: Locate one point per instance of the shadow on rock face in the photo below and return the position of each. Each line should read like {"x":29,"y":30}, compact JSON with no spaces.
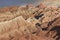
{"x":57,"y":30}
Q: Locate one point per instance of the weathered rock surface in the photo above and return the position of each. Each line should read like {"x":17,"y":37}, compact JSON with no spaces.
{"x":30,"y":22}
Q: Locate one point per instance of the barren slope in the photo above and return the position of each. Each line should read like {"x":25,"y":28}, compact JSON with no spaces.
{"x":30,"y":22}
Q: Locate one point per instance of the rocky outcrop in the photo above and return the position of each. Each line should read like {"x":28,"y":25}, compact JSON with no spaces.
{"x":30,"y":22}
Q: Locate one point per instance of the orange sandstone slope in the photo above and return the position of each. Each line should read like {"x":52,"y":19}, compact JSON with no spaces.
{"x":30,"y":22}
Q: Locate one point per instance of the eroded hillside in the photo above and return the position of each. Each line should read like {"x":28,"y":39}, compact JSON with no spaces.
{"x":30,"y":22}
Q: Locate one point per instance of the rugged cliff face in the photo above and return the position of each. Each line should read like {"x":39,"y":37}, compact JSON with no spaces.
{"x":30,"y":22}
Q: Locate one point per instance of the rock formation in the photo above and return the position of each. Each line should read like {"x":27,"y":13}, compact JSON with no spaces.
{"x":30,"y":22}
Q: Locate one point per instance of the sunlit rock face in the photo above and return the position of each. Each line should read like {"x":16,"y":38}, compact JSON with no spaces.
{"x":30,"y":22}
